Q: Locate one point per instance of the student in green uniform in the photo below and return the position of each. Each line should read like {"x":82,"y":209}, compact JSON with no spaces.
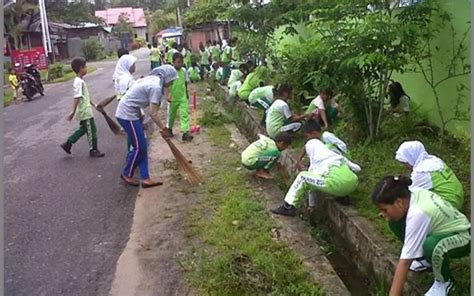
{"x":262,"y":154}
{"x":187,"y":54}
{"x":204,"y":60}
{"x":399,"y":100}
{"x":226,"y":59}
{"x":317,"y":108}
{"x":262,"y":97}
{"x":328,"y":172}
{"x":237,"y":74}
{"x":431,"y":173}
{"x":155,"y":56}
{"x":193,"y":73}
{"x":253,"y":80}
{"x":279,"y":117}
{"x":82,"y":111}
{"x":171,"y":52}
{"x":433,"y":229}
{"x":178,"y":93}
{"x":215,"y":52}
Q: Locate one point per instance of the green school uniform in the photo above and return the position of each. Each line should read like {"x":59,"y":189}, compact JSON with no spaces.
{"x":262,"y":97}
{"x":252,"y":81}
{"x":204,"y":57}
{"x":261,"y":154}
{"x":179,"y":101}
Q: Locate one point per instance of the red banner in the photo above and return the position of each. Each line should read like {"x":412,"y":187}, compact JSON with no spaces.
{"x":24,"y":57}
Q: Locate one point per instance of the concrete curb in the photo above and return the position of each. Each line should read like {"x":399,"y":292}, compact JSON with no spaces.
{"x":373,"y":254}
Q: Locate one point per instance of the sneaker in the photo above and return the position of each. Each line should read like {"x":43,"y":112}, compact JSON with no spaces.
{"x":187,"y":137}
{"x":440,"y":289}
{"x":96,"y":153}
{"x":285,"y":210}
{"x":420,"y":265}
{"x":66,"y":147}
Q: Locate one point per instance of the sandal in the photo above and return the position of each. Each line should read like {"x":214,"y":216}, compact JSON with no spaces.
{"x":157,"y":183}
{"x":131,"y":183}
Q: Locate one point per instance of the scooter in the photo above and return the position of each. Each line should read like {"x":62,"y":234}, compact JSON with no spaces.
{"x":30,"y":81}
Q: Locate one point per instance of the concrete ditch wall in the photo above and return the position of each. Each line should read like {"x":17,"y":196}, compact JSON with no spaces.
{"x":373,"y":254}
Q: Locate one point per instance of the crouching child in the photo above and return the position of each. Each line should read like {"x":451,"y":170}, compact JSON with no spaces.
{"x":262,"y":154}
{"x":328,"y":172}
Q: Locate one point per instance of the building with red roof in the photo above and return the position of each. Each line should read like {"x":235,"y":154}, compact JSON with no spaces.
{"x":136,"y":17}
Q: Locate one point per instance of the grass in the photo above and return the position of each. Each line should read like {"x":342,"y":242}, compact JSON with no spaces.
{"x":233,"y":250}
{"x":7,"y":97}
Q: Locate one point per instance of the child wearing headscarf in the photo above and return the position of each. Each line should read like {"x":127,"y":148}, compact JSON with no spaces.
{"x":145,"y":92}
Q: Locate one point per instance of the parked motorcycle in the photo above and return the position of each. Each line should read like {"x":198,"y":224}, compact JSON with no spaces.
{"x":30,"y":81}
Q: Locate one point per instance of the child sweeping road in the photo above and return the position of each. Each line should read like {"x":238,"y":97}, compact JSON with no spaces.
{"x":433,"y":229}
{"x":179,"y":99}
{"x":262,"y":154}
{"x":328,"y":172}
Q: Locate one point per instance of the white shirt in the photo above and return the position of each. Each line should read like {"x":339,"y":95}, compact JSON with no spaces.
{"x":319,"y":103}
{"x":283,"y":107}
{"x":418,"y":225}
{"x":321,"y":157}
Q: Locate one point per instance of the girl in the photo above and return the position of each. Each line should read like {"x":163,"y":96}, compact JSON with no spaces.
{"x":433,"y":229}
{"x":279,"y":116}
{"x":123,"y":78}
{"x":317,"y":108}
{"x":147,"y":91}
{"x":399,"y":100}
{"x":262,"y":97}
{"x":193,"y":73}
{"x":204,"y":59}
{"x":253,"y":80}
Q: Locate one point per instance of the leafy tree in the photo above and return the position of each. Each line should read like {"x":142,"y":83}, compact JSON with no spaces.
{"x":160,"y":20}
{"x":123,"y":29}
{"x":429,"y":19}
{"x":14,"y":14}
{"x":71,"y":13}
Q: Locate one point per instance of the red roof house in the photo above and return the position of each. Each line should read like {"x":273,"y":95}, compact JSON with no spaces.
{"x":136,"y":17}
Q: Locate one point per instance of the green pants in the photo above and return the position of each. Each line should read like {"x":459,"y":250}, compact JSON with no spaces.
{"x":182,"y":105}
{"x":340,"y":181}
{"x":261,"y":103}
{"x":86,"y":127}
{"x":225,"y":72}
{"x":264,"y":161}
{"x":438,"y":249}
{"x":155,"y":64}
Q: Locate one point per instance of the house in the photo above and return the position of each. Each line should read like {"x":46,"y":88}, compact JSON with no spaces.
{"x":210,"y":31}
{"x":136,"y":17}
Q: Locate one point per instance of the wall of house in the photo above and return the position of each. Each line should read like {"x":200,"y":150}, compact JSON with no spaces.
{"x":141,"y":32}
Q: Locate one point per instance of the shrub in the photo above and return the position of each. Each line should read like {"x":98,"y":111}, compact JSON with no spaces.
{"x":93,"y":49}
{"x":139,"y":41}
{"x":56,"y":70}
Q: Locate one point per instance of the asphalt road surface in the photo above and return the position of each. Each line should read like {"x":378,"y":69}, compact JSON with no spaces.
{"x":67,"y":217}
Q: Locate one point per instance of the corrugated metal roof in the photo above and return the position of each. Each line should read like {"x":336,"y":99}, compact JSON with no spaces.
{"x":136,"y":16}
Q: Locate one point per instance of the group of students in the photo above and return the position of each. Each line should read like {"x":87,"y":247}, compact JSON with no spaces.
{"x":422,"y":210}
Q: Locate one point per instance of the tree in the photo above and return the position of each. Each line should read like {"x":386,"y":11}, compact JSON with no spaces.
{"x":429,"y":19}
{"x":123,"y":29}
{"x":14,"y":14}
{"x":160,"y":20}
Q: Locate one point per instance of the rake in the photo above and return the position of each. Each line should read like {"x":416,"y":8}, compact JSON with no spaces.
{"x":193,"y":177}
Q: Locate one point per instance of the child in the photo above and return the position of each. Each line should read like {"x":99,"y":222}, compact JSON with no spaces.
{"x":237,"y":74}
{"x":193,"y":73}
{"x":431,"y":173}
{"x":13,"y":80}
{"x":318,"y":108}
{"x":226,"y":59}
{"x":171,"y":51}
{"x":82,"y":111}
{"x":123,"y":77}
{"x":145,"y":92}
{"x":279,"y":116}
{"x":213,"y":72}
{"x":179,"y":99}
{"x":262,"y":97}
{"x":219,"y":72}
{"x":204,"y":59}
{"x":121,"y":52}
{"x":399,"y":100}
{"x":252,"y":81}
{"x":155,"y":56}
{"x":262,"y":154}
{"x":215,"y":51}
{"x":433,"y":229}
{"x":328,"y":172}
{"x":187,"y":55}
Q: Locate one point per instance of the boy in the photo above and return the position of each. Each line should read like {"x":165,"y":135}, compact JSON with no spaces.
{"x":215,"y":52}
{"x":13,"y":80}
{"x":262,"y":154}
{"x":226,"y":59}
{"x":253,"y":80}
{"x":193,"y":73}
{"x":328,"y":172}
{"x":279,"y":117}
{"x":179,"y":99}
{"x":82,"y":111}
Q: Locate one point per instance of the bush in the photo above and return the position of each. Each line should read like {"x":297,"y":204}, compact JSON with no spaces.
{"x":93,"y":49}
{"x":56,"y":70}
{"x":139,"y":41}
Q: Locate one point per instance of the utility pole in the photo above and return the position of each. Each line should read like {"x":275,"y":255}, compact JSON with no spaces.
{"x":45,"y":30}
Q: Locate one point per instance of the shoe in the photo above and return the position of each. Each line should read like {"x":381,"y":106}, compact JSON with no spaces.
{"x":96,"y":153}
{"x":187,"y":137}
{"x":419,"y":265}
{"x":66,"y":147}
{"x":170,"y":132}
{"x":440,"y":289}
{"x":285,"y":210}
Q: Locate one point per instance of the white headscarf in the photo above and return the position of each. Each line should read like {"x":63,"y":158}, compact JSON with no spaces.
{"x":122,"y":75}
{"x":414,"y":154}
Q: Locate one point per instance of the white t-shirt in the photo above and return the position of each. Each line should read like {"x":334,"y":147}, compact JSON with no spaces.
{"x":321,"y":157}
{"x":319,"y":103}
{"x":405,"y":103}
{"x":418,"y":225}
{"x":145,"y":91}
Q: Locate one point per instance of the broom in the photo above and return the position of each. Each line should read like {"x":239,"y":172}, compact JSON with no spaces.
{"x":114,"y":127}
{"x":193,"y":177}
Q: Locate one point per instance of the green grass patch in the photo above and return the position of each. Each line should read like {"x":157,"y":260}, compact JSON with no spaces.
{"x":7,"y":97}
{"x":234,"y":251}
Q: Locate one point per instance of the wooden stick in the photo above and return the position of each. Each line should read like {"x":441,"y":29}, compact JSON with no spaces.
{"x":193,"y":177}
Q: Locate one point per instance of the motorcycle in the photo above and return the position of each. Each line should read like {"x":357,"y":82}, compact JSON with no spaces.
{"x":30,"y":81}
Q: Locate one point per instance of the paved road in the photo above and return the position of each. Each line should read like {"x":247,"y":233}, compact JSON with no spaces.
{"x":67,"y":217}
